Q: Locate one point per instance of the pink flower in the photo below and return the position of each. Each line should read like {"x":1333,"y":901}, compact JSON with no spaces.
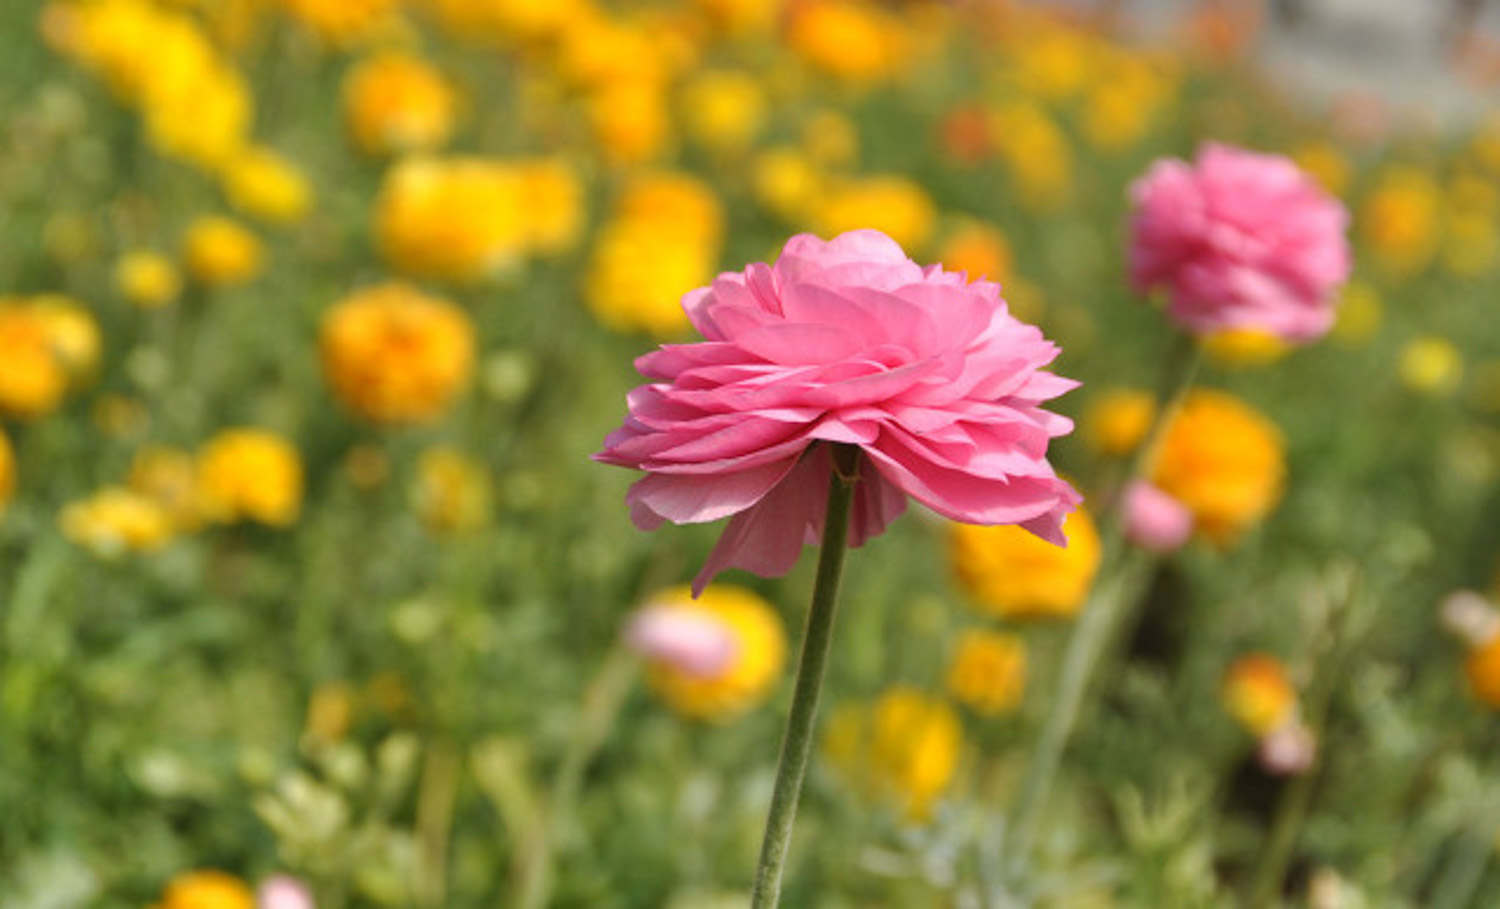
{"x":846,"y":341}
{"x":1155,"y":520}
{"x":1288,"y":750}
{"x":1240,"y":241}
{"x":696,"y":641}
{"x":282,"y":891}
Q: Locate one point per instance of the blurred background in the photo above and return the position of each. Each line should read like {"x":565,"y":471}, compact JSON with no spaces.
{"x":312,"y":312}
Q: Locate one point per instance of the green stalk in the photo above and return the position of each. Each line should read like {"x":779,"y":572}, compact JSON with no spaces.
{"x":796,"y":745}
{"x":1102,"y":613}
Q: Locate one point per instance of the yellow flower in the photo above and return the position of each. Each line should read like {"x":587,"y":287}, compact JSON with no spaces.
{"x":1245,"y":347}
{"x":896,"y":206}
{"x":395,"y":102}
{"x":597,"y":52}
{"x":1123,"y":103}
{"x":1056,"y":63}
{"x":1012,"y":573}
{"x":1483,"y":669}
{"x":345,"y":22}
{"x":674,"y":203}
{"x":458,"y":219}
{"x":452,"y":493}
{"x":1222,"y":459}
{"x":630,"y":120}
{"x":394,"y":355}
{"x":753,"y":669}
{"x":979,"y":249}
{"x":7,"y":471}
{"x":1398,"y":220}
{"x":988,"y":671}
{"x":72,"y":334}
{"x":904,"y":747}
{"x":723,"y":110}
{"x":830,"y":139}
{"x":147,"y":279}
{"x":1431,"y":365}
{"x":207,"y":890}
{"x":1327,"y":165}
{"x":249,"y":474}
{"x":738,"y":17}
{"x":33,"y":380}
{"x":785,"y":183}
{"x":168,"y":477}
{"x":1117,"y":420}
{"x":204,"y":120}
{"x":330,"y":713}
{"x":516,"y":20}
{"x":263,"y":184}
{"x":1258,"y":694}
{"x":219,"y":252}
{"x":638,"y":274}
{"x":852,"y":40}
{"x":1359,"y":314}
{"x":1037,"y":154}
{"x":552,"y":197}
{"x":115,"y":520}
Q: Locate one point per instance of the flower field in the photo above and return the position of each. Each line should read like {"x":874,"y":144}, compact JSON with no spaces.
{"x":318,"y":318}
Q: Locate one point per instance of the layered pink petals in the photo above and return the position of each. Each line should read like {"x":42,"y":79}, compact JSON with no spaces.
{"x":1239,"y":240}
{"x":850,"y":342}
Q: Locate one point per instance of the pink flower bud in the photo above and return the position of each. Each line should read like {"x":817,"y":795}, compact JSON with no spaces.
{"x":695,"y":641}
{"x":1155,"y":520}
{"x":1471,"y":617}
{"x":282,"y":891}
{"x":1289,"y":749}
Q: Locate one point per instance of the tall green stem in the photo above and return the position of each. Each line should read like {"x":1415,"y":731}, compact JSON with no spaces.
{"x":796,"y":745}
{"x":1101,"y":615}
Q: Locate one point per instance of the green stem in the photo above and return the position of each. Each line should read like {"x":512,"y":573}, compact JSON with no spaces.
{"x":1102,"y":613}
{"x":796,"y":745}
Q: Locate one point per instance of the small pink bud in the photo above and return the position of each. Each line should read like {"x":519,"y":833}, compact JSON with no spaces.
{"x":693,"y":640}
{"x":1155,"y":520}
{"x":1289,"y":749}
{"x":282,"y":891}
{"x":1471,"y":617}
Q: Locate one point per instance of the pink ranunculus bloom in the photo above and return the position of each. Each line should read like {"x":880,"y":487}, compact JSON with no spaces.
{"x":282,"y":891}
{"x":1155,"y":520}
{"x":846,"y":341}
{"x":694,"y":640}
{"x":1239,"y":240}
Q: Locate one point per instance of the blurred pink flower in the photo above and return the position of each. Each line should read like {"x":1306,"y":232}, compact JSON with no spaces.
{"x":694,"y":640}
{"x":1239,"y":240}
{"x":1155,"y":520}
{"x":282,"y":891}
{"x":845,"y":341}
{"x":1288,"y":750}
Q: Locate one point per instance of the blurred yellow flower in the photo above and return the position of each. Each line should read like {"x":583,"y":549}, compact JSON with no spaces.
{"x":33,"y":380}
{"x":1036,"y":153}
{"x":739,"y":17}
{"x":1245,"y":347}
{"x":904,"y":747}
{"x":1398,"y":220}
{"x":219,"y":252}
{"x":1115,"y":422}
{"x":115,"y":520}
{"x":1011,"y":573}
{"x":598,"y":52}
{"x":207,"y":889}
{"x":72,"y":334}
{"x":1483,"y":670}
{"x":458,"y":219}
{"x":897,"y":206}
{"x":330,"y":713}
{"x":674,"y":203}
{"x":509,"y":20}
{"x":395,"y":355}
{"x":630,"y":119}
{"x":786,"y":183}
{"x":1258,"y":693}
{"x":830,"y":139}
{"x":395,"y":102}
{"x":345,"y":22}
{"x":1055,"y":63}
{"x":979,"y":249}
{"x":754,"y":665}
{"x":1327,"y":164}
{"x":987,"y":672}
{"x":7,"y":471}
{"x":1431,"y":365}
{"x":204,"y":120}
{"x":552,"y":197}
{"x":1223,"y":460}
{"x":723,"y":110}
{"x":263,"y":184}
{"x":853,"y":40}
{"x":452,"y":493}
{"x":1359,"y":314}
{"x":169,"y":477}
{"x":146,"y":278}
{"x":249,"y":474}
